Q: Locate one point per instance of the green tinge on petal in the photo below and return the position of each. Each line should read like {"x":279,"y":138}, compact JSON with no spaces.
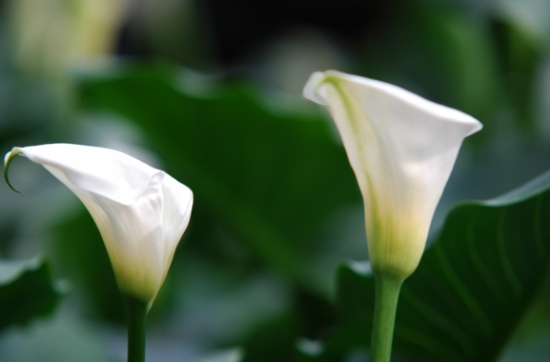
{"x":7,"y":161}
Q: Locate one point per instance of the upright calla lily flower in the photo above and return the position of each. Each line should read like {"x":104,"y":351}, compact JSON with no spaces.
{"x":140,"y":211}
{"x":402,"y":149}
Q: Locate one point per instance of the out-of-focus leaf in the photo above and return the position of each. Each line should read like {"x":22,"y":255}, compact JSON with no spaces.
{"x":232,"y":355}
{"x":530,"y":341}
{"x":273,"y":340}
{"x":82,"y":258}
{"x":530,"y":16}
{"x":471,"y":289}
{"x":27,"y":291}
{"x":273,"y":177}
{"x":521,"y":65}
{"x":66,"y":337}
{"x":462,"y":44}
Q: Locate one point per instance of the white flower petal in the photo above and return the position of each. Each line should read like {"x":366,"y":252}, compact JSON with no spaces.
{"x":402,"y":149}
{"x":178,"y":202}
{"x":141,"y":212}
{"x":106,"y":172}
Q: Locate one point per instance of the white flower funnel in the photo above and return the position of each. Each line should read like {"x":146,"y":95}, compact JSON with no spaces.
{"x":141,"y":212}
{"x":402,"y":149}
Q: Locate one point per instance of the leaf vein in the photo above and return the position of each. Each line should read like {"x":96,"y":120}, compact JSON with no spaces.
{"x":507,"y":266}
{"x":464,"y":294}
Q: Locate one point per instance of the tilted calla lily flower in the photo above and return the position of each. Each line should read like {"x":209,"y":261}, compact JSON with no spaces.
{"x":141,"y":212}
{"x":402,"y":149}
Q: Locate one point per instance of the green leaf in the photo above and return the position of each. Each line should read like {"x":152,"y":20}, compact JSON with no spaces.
{"x":273,"y":177}
{"x":463,"y":45}
{"x":27,"y":291}
{"x":231,"y":355}
{"x":471,"y":289}
{"x":81,"y":257}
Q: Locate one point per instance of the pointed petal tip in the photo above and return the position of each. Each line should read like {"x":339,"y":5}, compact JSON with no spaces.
{"x":477,"y":126}
{"x":7,"y":161}
{"x":471,"y":124}
{"x":311,"y":89}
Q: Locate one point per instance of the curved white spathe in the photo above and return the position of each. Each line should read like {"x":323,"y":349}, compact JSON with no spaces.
{"x":141,"y":212}
{"x":402,"y":149}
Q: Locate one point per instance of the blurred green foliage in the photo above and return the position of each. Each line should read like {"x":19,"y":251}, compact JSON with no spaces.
{"x":27,"y":290}
{"x":277,"y":206}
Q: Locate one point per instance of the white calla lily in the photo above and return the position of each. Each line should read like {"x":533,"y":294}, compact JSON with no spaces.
{"x":141,"y":212}
{"x":402,"y":149}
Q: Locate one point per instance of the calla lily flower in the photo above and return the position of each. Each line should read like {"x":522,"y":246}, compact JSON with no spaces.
{"x":402,"y":149}
{"x":141,"y":212}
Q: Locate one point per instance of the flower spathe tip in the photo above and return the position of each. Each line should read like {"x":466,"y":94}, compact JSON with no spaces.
{"x":7,"y":161}
{"x":402,"y":148}
{"x":312,"y":89}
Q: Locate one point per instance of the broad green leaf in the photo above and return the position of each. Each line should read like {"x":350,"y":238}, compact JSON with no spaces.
{"x":271,"y":176}
{"x":27,"y":291}
{"x":471,"y":289}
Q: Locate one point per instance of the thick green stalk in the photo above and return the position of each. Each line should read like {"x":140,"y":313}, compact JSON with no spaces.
{"x":387,"y":289}
{"x":137,"y":321}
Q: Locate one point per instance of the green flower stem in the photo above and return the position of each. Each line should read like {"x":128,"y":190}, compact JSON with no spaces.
{"x":137,"y":321}
{"x":387,"y":289}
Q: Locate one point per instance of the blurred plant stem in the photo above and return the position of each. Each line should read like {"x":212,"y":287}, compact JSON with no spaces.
{"x":137,"y":322}
{"x":387,"y":288}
